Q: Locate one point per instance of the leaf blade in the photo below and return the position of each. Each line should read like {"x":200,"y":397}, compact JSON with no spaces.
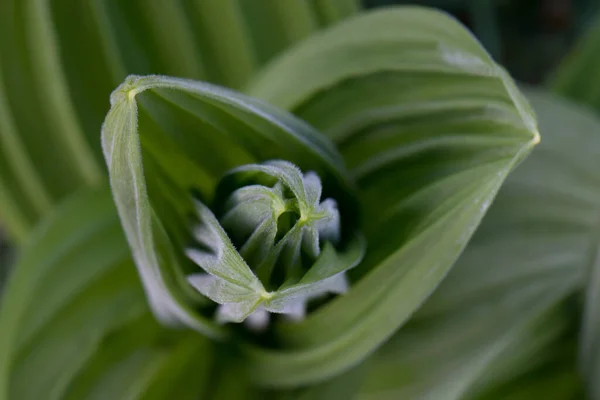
{"x":430,"y":127}
{"x":530,"y":256}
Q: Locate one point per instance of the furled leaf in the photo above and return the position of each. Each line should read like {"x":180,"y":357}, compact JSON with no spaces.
{"x":505,"y":308}
{"x":74,"y":318}
{"x":430,"y":127}
{"x":187,"y":136}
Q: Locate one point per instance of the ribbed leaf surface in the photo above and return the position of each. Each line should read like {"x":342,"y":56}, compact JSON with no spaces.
{"x":505,"y":308}
{"x":429,"y":126}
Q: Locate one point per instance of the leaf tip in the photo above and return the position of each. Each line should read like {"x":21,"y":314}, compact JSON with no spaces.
{"x":536,"y":138}
{"x":127,"y":90}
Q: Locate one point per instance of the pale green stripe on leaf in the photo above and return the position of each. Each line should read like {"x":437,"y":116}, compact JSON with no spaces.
{"x":275,"y":25}
{"x":172,"y":38}
{"x":11,"y":213}
{"x":224,"y":40}
{"x":21,"y":164}
{"x":296,"y":18}
{"x":51,"y":87}
{"x":90,"y":71}
{"x":100,"y":15}
{"x":41,"y":135}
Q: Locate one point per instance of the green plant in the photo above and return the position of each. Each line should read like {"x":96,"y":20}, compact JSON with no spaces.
{"x":224,"y":272}
{"x":58,"y":72}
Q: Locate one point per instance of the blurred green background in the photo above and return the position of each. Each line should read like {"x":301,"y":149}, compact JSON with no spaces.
{"x":528,"y":37}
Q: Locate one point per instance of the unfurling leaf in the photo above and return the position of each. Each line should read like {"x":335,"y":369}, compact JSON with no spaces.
{"x":430,"y":135}
{"x":157,"y":165}
{"x":268,"y":273}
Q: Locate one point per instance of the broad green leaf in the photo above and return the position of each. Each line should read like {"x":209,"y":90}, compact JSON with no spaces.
{"x":74,"y":318}
{"x":430,"y":126}
{"x":57,"y":72}
{"x":505,"y":307}
{"x":457,"y":354}
{"x":183,"y":137}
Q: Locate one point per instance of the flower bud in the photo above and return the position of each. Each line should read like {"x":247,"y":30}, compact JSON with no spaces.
{"x":273,"y":214}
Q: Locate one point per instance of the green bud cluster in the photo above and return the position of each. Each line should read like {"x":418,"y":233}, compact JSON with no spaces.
{"x":263,"y":247}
